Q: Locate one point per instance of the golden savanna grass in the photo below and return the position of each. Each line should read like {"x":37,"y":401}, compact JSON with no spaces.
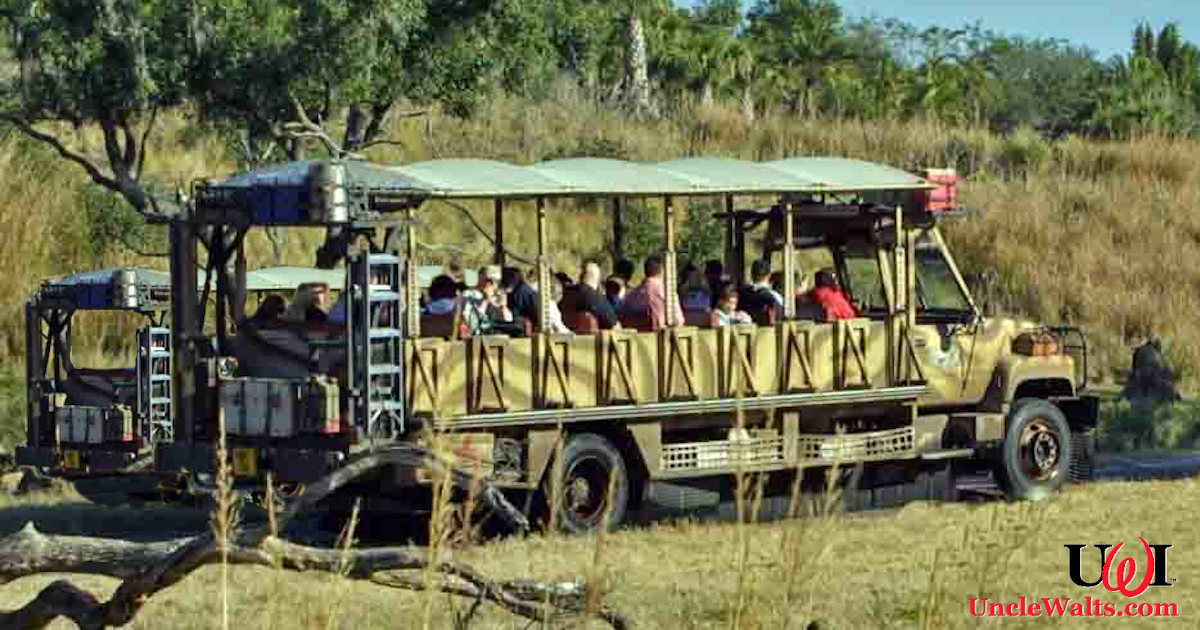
{"x":912,"y":568}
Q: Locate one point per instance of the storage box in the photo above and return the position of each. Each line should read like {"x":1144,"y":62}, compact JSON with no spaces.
{"x":80,"y":425}
{"x":942,"y":198}
{"x":1035,"y":344}
{"x":322,"y":406}
{"x":118,"y":424}
{"x":259,"y":406}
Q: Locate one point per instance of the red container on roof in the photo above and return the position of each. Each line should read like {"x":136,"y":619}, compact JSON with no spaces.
{"x":945,"y":196}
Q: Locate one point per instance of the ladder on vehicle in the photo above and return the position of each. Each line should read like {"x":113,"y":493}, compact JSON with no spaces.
{"x":154,"y":383}
{"x":376,"y":341}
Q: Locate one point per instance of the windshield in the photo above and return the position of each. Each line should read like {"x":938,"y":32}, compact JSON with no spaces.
{"x":937,"y":289}
{"x":863,"y":280}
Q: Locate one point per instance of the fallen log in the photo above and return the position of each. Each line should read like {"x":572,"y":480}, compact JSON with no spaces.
{"x":149,"y":568}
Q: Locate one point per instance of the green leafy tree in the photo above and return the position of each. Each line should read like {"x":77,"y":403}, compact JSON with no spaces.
{"x":115,"y":65}
{"x":802,"y":41}
{"x":1139,"y":98}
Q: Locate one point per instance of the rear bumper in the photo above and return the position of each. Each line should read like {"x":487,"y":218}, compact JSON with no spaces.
{"x":90,"y":460}
{"x":286,"y":465}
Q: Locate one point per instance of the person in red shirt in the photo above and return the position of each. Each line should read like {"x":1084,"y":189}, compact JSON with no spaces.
{"x":829,"y":296}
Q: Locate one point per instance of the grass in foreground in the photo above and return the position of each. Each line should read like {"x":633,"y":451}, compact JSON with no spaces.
{"x":857,"y":571}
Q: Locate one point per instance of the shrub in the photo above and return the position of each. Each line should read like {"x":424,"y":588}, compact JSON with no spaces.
{"x":1129,"y":426}
{"x":1023,"y":153}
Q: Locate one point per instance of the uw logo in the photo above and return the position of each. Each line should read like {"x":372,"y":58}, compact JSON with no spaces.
{"x":1126,"y":570}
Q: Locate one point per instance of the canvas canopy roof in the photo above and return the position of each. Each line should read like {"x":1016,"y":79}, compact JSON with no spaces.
{"x":285,"y":278}
{"x":600,"y":177}
{"x":265,"y":279}
{"x":464,"y":179}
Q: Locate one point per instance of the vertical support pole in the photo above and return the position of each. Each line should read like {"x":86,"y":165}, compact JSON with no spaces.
{"x":789,"y":262}
{"x":910,"y":281}
{"x":218,"y":249}
{"x":730,"y":229}
{"x":184,"y":329}
{"x":618,"y":230}
{"x":499,"y":257}
{"x":543,"y":270}
{"x":900,"y":293}
{"x":35,"y":374}
{"x":412,"y":306}
{"x":670,"y":264}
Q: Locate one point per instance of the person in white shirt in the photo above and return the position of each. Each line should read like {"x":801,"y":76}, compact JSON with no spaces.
{"x":727,"y":312}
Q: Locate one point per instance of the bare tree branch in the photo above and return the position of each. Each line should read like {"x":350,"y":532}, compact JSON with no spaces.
{"x":146,"y":138}
{"x":149,"y":568}
{"x":88,"y":165}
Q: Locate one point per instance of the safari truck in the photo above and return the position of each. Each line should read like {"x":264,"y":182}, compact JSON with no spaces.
{"x":916,"y":388}
{"x":83,"y":420}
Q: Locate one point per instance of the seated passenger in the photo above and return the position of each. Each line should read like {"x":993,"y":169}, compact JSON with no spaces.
{"x":521,"y":298}
{"x":269,"y":312}
{"x":614,"y":290}
{"x":829,"y":296}
{"x":585,"y":297}
{"x":714,"y":273}
{"x":481,"y":308}
{"x":759,"y":294}
{"x":443,"y":296}
{"x":309,"y":304}
{"x":623,"y":269}
{"x":650,"y":298}
{"x":694,"y":293}
{"x":726,"y":313}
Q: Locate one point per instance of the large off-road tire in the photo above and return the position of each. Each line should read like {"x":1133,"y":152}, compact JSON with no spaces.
{"x":1083,"y":447}
{"x":590,"y":463}
{"x":1036,"y":457}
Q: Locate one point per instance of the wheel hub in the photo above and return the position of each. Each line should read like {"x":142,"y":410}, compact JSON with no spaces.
{"x":584,"y":491}
{"x":1040,"y":449}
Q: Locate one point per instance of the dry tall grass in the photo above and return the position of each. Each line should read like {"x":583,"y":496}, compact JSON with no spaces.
{"x":912,"y":568}
{"x":1100,"y":234}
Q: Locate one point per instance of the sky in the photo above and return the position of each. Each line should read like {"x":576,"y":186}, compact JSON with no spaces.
{"x":1105,"y":26}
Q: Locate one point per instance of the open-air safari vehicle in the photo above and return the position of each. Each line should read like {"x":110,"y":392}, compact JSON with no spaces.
{"x":87,"y":421}
{"x":916,"y":387}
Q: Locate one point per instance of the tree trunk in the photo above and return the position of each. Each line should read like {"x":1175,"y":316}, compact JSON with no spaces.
{"x":637,"y":76}
{"x":748,"y":104}
{"x":706,"y":94}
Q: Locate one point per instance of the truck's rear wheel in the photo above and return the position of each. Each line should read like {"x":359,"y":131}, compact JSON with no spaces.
{"x":1036,"y":456}
{"x":594,"y":489}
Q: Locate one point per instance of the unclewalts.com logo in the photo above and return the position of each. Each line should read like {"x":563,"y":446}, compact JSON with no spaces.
{"x":1130,"y":577}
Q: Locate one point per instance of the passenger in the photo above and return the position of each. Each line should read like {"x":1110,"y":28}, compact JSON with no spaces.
{"x":563,"y":280}
{"x":521,"y":298}
{"x":760,"y":294}
{"x":651,"y":296}
{"x":458,"y":274}
{"x":714,"y":272}
{"x":829,"y":296}
{"x":727,"y":312}
{"x":685,"y":272}
{"x":309,"y":304}
{"x":694,"y":293}
{"x":585,"y":297}
{"x":269,"y":312}
{"x":623,"y":269}
{"x":556,"y":323}
{"x":443,"y":296}
{"x":480,"y":308}
{"x":614,"y":290}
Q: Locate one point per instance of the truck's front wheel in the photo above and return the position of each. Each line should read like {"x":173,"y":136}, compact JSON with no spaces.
{"x":1036,"y":456}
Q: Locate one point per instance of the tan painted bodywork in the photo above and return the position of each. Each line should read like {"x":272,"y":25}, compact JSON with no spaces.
{"x":763,"y":397}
